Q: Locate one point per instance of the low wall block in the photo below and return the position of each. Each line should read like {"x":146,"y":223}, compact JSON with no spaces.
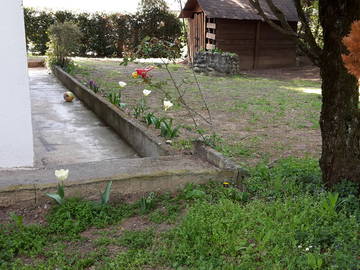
{"x":215,"y":63}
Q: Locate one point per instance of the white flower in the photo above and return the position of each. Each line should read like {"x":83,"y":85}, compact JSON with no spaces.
{"x":299,"y":246}
{"x":62,"y":174}
{"x":122,"y":84}
{"x":307,"y":249}
{"x":146,"y":92}
{"x":167,"y":105}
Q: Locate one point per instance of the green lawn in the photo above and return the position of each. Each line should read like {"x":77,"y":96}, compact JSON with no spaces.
{"x":284,"y":219}
{"x":256,"y":118}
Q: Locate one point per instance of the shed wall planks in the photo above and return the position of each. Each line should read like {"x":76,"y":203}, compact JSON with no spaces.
{"x":257,"y":44}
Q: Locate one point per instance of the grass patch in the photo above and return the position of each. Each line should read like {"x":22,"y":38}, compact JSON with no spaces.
{"x":240,"y":105}
{"x":167,"y":214}
{"x":284,"y":218}
{"x":136,"y":239}
{"x":76,"y":215}
{"x":281,"y":234}
{"x":234,"y":150}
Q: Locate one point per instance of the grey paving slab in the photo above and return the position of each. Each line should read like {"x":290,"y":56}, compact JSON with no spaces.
{"x":66,"y":133}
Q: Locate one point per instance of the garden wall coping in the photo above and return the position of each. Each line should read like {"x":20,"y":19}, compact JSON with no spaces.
{"x":217,"y":159}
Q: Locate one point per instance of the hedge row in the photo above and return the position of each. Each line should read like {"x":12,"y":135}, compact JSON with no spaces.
{"x":103,"y":35}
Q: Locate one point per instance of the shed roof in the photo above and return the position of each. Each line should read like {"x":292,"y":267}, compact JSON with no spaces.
{"x":240,"y":9}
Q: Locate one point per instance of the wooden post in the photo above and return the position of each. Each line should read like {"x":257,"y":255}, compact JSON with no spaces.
{"x":256,"y":47}
{"x":203,"y":30}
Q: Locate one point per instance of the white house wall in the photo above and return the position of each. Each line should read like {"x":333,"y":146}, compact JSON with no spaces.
{"x":16,"y":137}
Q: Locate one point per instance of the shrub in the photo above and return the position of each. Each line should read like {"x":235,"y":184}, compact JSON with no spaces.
{"x":36,"y":25}
{"x":64,"y":40}
{"x":102,"y":34}
{"x":159,"y":25}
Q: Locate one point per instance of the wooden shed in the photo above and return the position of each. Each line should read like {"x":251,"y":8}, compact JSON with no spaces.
{"x":235,"y":26}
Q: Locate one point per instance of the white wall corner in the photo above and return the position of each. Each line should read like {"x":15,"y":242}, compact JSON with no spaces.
{"x":16,"y":135}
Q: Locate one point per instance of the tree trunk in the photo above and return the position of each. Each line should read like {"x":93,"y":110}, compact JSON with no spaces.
{"x":340,"y":120}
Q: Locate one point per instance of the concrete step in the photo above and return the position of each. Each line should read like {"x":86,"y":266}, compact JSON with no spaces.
{"x":167,"y":173}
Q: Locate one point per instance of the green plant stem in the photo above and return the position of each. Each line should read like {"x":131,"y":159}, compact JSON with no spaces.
{"x":181,"y":99}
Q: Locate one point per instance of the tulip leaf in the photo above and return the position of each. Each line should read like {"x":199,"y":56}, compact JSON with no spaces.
{"x":56,"y":197}
{"x":105,"y":196}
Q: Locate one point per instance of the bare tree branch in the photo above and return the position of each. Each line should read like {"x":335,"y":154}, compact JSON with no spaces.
{"x":286,"y":31}
{"x":210,"y":121}
{"x":309,"y":37}
{"x":313,"y":51}
{"x":281,"y":17}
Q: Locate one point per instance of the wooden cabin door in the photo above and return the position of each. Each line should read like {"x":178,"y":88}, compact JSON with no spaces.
{"x":199,"y":32}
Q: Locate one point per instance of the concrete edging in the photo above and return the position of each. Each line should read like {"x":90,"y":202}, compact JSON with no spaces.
{"x":122,"y":185}
{"x":215,"y":158}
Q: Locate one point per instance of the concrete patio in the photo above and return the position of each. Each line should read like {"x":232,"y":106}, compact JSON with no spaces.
{"x":67,"y":133}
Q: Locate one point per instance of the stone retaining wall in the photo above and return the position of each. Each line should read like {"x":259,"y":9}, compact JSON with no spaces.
{"x":215,"y":63}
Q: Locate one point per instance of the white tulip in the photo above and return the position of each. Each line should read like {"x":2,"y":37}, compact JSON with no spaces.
{"x":62,"y":174}
{"x":167,"y":105}
{"x":122,"y":84}
{"x":146,"y":92}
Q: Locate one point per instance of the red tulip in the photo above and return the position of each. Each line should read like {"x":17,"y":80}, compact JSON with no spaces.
{"x":144,"y":71}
